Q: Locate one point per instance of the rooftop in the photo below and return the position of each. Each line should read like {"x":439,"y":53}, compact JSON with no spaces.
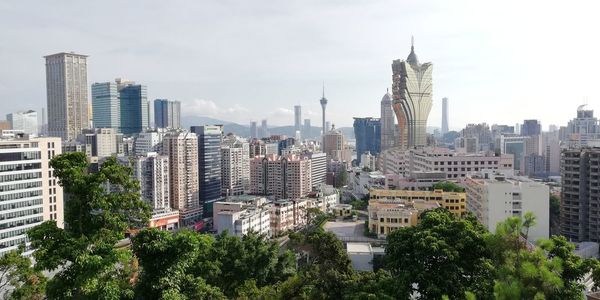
{"x":359,"y":248}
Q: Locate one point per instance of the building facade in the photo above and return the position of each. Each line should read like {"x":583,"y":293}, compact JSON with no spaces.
{"x":29,"y":192}
{"x":133,"y":108}
{"x":412,"y":99}
{"x":152,"y":171}
{"x":493,"y":197}
{"x":335,"y":146}
{"x":26,"y":121}
{"x":580,"y":195}
{"x":367,"y":132}
{"x":182,"y":149}
{"x":209,"y":164}
{"x":388,"y":125}
{"x":106,"y":105}
{"x":235,"y":166}
{"x":167,"y":114}
{"x":281,"y":177}
{"x":67,"y":94}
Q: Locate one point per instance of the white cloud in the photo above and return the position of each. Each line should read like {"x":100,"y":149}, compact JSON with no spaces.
{"x":210,"y":109}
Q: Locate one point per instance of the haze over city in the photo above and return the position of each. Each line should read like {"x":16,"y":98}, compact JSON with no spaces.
{"x":242,"y":61}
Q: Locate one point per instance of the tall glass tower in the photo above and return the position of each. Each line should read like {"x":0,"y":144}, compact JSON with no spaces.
{"x":367,"y":132}
{"x":134,"y":107}
{"x":412,"y":92}
{"x":209,"y":165}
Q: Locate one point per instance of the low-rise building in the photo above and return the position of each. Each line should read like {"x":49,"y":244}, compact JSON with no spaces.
{"x":324,"y":197}
{"x":240,"y":223}
{"x":342,"y":210}
{"x":288,"y":215}
{"x":452,"y":201}
{"x":386,"y":215}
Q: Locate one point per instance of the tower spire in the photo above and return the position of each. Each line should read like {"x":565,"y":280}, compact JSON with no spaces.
{"x":412,"y":42}
{"x":323,"y":88}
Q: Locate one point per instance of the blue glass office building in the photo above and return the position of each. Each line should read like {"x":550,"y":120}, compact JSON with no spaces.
{"x":209,"y":165}
{"x":134,"y":108}
{"x":367,"y":132}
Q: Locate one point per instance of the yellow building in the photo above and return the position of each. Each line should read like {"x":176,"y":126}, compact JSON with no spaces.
{"x":387,"y":215}
{"x":452,"y":201}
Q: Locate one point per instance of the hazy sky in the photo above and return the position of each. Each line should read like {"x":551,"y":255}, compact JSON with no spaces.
{"x":249,"y":60}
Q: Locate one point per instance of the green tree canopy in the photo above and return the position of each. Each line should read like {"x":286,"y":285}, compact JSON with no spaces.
{"x":448,"y":186}
{"x":99,"y":208}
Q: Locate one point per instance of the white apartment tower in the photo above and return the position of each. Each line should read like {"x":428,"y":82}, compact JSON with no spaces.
{"x":67,"y":94}
{"x":152,"y":171}
{"x":235,"y":166}
{"x":29,"y":192}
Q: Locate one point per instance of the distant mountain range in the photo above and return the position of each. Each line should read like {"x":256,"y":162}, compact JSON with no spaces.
{"x":244,"y":130}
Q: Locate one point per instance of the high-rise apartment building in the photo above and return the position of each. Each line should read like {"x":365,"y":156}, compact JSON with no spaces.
{"x":101,"y":142}
{"x":67,"y":94}
{"x":298,"y":118}
{"x":152,"y":171}
{"x":133,"y":108}
{"x":493,"y":196}
{"x":444,"y":115}
{"x":149,"y":141}
{"x":388,"y":126}
{"x":182,"y":149}
{"x":584,"y":130}
{"x":318,"y":165}
{"x":235,"y":166}
{"x":281,"y":177}
{"x":412,"y":99}
{"x":209,"y":164}
{"x":167,"y":114}
{"x":335,"y":146}
{"x":106,"y":105}
{"x":580,"y":195}
{"x":26,"y":121}
{"x":29,"y":192}
{"x":367,"y":132}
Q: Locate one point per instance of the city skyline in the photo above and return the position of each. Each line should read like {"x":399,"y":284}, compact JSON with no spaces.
{"x":173,"y":68}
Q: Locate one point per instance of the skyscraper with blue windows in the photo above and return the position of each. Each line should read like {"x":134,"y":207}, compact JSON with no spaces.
{"x":134,"y":107}
{"x":209,"y":165}
{"x":106,"y":105}
{"x":167,"y":114}
{"x":367,"y":132}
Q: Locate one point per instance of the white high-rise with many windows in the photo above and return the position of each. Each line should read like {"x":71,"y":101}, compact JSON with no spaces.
{"x":235,"y":166}
{"x":29,"y":192}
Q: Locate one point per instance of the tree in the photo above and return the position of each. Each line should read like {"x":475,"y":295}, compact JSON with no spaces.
{"x":100,"y":208}
{"x":18,"y":280}
{"x":448,"y":186}
{"x":341,"y":179}
{"x":550,"y":271}
{"x":442,"y":255}
{"x":554,"y":214}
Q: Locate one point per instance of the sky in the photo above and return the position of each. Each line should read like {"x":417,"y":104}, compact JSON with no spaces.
{"x":497,"y":62}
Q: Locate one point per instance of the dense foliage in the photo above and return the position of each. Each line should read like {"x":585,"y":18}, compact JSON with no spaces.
{"x":443,"y":257}
{"x":448,"y":186}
